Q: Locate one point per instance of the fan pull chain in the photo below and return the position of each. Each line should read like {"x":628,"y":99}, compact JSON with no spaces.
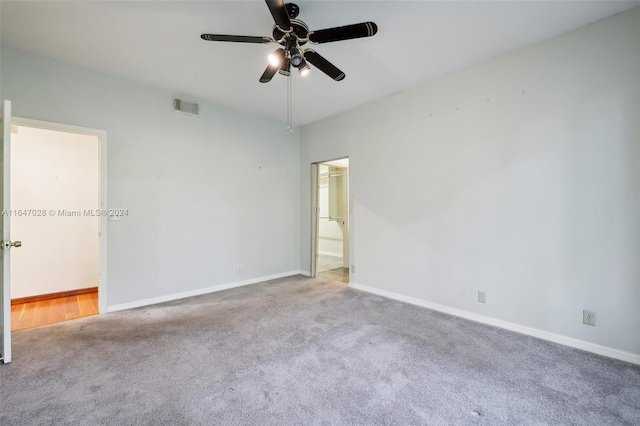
{"x":289,"y":106}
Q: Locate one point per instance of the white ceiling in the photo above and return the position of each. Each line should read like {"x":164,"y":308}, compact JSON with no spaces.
{"x":158,"y":43}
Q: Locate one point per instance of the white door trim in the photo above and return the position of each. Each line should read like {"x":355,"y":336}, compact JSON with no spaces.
{"x":102,"y":192}
{"x":346,"y":244}
{"x":314,"y":220}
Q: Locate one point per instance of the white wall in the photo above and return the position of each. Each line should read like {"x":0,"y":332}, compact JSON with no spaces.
{"x":204,"y":194}
{"x":53,"y":170}
{"x":518,"y":176}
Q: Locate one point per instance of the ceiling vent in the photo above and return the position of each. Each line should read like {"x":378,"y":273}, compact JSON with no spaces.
{"x":185,"y":107}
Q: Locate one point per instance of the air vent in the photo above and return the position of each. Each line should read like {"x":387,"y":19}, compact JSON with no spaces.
{"x":190,"y":108}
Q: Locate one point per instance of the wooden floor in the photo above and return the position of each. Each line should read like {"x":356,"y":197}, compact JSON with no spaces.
{"x":340,"y":274}
{"x":35,"y":314}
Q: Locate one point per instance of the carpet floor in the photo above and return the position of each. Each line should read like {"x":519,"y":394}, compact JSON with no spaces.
{"x":304,"y":351}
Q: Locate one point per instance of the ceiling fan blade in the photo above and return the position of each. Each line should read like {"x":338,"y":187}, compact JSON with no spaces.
{"x":236,"y":38}
{"x":323,"y":65}
{"x":279,"y":13}
{"x":364,"y":29}
{"x":269,"y":73}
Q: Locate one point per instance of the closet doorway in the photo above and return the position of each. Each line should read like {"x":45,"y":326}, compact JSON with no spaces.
{"x":330,"y":248}
{"x":57,"y":200}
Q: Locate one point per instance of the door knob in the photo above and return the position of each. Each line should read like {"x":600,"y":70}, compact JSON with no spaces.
{"x":6,"y":245}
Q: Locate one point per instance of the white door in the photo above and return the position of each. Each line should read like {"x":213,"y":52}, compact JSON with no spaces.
{"x":5,"y":288}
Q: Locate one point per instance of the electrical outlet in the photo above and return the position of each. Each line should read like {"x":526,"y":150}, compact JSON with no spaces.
{"x":482,"y":297}
{"x":353,"y":269}
{"x":239,"y":269}
{"x":589,"y":317}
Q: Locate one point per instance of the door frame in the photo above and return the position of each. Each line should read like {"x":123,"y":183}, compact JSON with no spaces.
{"x":315,"y":222}
{"x":102,"y":192}
{"x":346,"y":242}
{"x":315,"y":211}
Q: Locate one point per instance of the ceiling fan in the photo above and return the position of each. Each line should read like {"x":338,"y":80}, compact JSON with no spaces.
{"x":292,"y":34}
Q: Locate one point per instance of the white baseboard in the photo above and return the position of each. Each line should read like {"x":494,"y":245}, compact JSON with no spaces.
{"x":176,"y":296}
{"x":557,"y":338}
{"x":305,"y":273}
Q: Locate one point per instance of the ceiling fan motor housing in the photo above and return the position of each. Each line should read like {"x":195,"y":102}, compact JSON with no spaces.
{"x":300,"y":30}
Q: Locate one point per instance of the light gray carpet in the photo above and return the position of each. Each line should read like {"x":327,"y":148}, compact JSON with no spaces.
{"x":304,"y":351}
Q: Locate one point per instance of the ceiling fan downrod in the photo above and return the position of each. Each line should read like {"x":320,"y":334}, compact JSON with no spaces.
{"x":289,"y":105}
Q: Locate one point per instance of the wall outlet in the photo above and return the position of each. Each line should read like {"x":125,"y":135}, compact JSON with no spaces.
{"x":589,"y":317}
{"x":482,"y":297}
{"x":239,"y":268}
{"x":353,"y":269}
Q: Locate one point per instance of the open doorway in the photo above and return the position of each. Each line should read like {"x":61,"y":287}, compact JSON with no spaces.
{"x":330,"y":248}
{"x":57,"y":211}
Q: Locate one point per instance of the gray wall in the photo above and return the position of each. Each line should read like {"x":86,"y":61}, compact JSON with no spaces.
{"x":518,"y":176}
{"x":204,"y":194}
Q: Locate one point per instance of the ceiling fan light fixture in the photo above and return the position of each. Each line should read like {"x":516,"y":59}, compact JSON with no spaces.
{"x":304,"y":68}
{"x":275,"y":58}
{"x":296,"y":57}
{"x":285,"y":67}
